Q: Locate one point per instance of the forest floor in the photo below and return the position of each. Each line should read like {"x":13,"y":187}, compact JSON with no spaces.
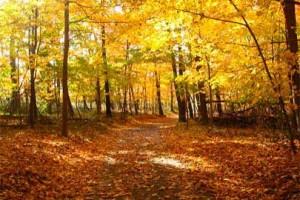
{"x":146,"y":158}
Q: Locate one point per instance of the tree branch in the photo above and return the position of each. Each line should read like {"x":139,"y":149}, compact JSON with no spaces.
{"x":202,"y":15}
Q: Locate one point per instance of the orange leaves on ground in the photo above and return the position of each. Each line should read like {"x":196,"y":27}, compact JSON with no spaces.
{"x":147,"y":158}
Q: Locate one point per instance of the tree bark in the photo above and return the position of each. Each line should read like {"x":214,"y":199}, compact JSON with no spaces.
{"x":172,"y":97}
{"x":32,"y":61}
{"x":158,"y":94}
{"x":124,"y":106}
{"x":190,"y":106}
{"x":145,"y":97}
{"x":202,"y":103}
{"x":65,"y":71}
{"x":105,"y":65}
{"x":209,"y":90}
{"x":98,"y":97}
{"x":85,"y":105}
{"x":135,"y":103}
{"x":182,"y":89}
{"x":292,"y":45}
{"x":219,"y":102}
{"x":201,"y":100}
{"x":57,"y":96}
{"x":180,"y":102}
{"x":15,"y":102}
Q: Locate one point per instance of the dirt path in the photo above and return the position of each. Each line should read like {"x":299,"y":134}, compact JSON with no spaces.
{"x":137,"y":168}
{"x":144,"y":159}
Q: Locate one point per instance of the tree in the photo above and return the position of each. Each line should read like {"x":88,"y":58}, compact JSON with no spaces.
{"x":15,"y":104}
{"x":292,"y":46}
{"x":33,"y":48}
{"x":158,"y":93}
{"x":105,"y":66}
{"x":178,"y":90}
{"x":64,"y":129}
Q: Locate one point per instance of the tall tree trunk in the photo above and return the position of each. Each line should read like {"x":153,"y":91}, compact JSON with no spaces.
{"x":50,"y":101}
{"x":105,"y":65}
{"x":91,"y":105}
{"x":77,"y":107}
{"x":292,"y":45}
{"x":32,"y":61}
{"x":98,"y":97}
{"x":15,"y":103}
{"x":26,"y":91}
{"x":65,"y":71}
{"x":32,"y":101}
{"x":194,"y":102}
{"x":181,"y":104}
{"x":219,"y":102}
{"x":145,"y":96}
{"x":124,"y":106}
{"x":70,"y":106}
{"x":130,"y":102}
{"x":172,"y":97}
{"x":85,"y":106}
{"x":135,"y":103}
{"x":190,"y":106}
{"x":182,"y":88}
{"x":210,"y":90}
{"x":57,"y":96}
{"x":158,"y":94}
{"x":201,"y":99}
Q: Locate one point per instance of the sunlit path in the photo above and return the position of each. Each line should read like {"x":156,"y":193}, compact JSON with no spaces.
{"x":149,"y":99}
{"x":152,"y":158}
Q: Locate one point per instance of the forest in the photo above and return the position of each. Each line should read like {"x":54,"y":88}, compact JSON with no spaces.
{"x":149,"y":99}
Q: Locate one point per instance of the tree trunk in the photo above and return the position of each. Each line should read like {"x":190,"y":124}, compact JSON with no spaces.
{"x":49,"y":107}
{"x":172,"y":97}
{"x":201,"y":99}
{"x":130,"y":102}
{"x":107,"y":99}
{"x":15,"y":103}
{"x":77,"y":107}
{"x":50,"y":101}
{"x":181,"y":104}
{"x":292,"y":45}
{"x":203,"y":107}
{"x":98,"y":97}
{"x":57,"y":96}
{"x":135,"y":103}
{"x":32,"y":61}
{"x":145,"y":97}
{"x":70,"y":106}
{"x":105,"y":65}
{"x":32,"y":102}
{"x":66,"y":98}
{"x":124,"y":106}
{"x":182,"y":88}
{"x":158,"y":94}
{"x":219,"y":102}
{"x":26,"y":91}
{"x":190,"y":106}
{"x":85,"y":105}
{"x":210,"y":91}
